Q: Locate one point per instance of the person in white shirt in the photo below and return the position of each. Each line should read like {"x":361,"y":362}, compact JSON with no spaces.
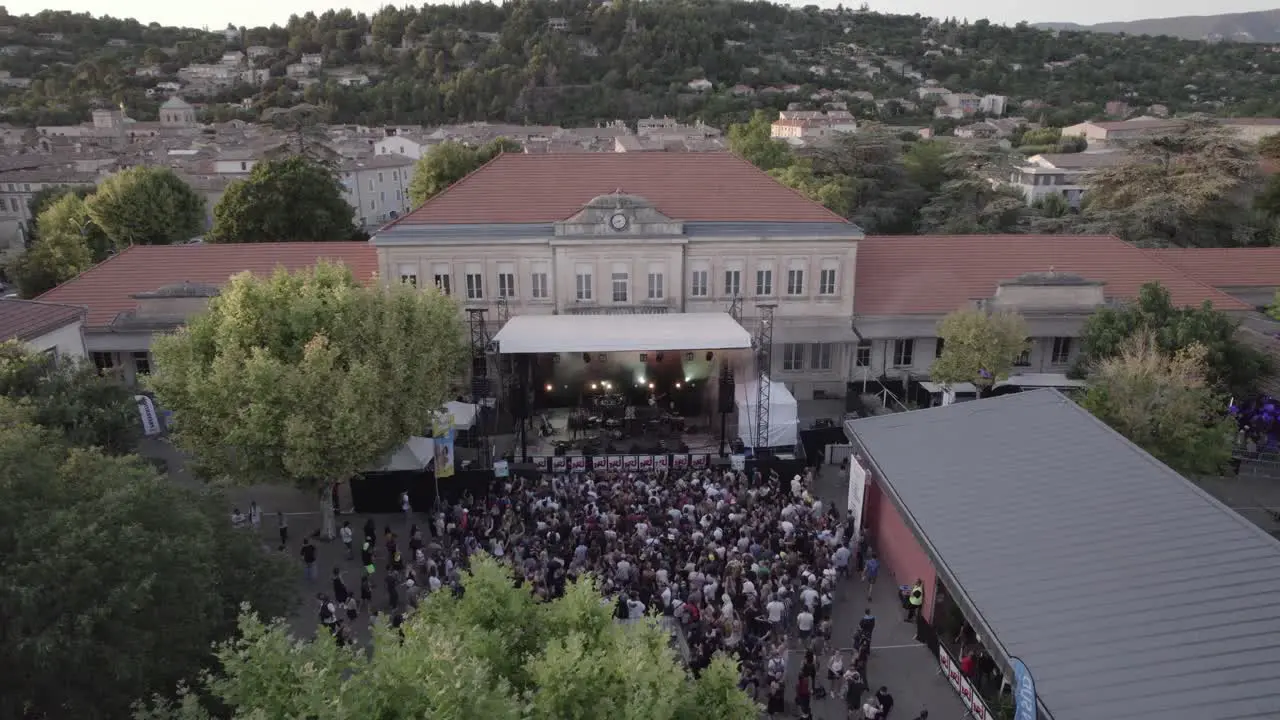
{"x":804,"y":623}
{"x":775,"y":608}
{"x":809,"y":597}
{"x":835,"y":671}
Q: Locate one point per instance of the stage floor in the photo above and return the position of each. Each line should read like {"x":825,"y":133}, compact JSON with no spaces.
{"x":703,"y":436}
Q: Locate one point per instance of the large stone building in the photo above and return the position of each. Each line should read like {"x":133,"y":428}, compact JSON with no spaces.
{"x":641,"y":233}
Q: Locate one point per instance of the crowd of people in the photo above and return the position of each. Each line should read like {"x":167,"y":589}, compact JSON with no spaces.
{"x":744,"y":565}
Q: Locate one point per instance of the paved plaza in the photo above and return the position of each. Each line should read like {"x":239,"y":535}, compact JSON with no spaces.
{"x":897,"y":661}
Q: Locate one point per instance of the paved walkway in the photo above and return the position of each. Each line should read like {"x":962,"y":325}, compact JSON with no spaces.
{"x":908,"y":668}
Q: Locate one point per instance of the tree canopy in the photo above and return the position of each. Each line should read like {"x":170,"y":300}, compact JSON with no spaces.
{"x":146,"y":205}
{"x":116,"y":580}
{"x":64,"y":247}
{"x":1163,"y":403}
{"x":491,"y":651}
{"x":1231,"y":366}
{"x":72,"y":398}
{"x":449,"y":162}
{"x":308,"y":377}
{"x":978,"y":347}
{"x":290,"y":199}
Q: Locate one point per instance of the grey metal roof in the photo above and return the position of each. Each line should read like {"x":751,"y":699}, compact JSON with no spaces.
{"x":1127,"y":591}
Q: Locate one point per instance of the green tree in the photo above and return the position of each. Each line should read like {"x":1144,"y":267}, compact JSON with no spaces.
{"x":88,"y":408}
{"x":753,"y":141}
{"x":292,"y":199}
{"x":1164,"y":404}
{"x":494,"y":652}
{"x":63,"y":249}
{"x":449,"y":162}
{"x":1232,"y":367}
{"x":1273,"y":310}
{"x":308,"y":378}
{"x":1190,"y":188}
{"x":146,"y":206}
{"x":117,"y":580}
{"x":979,"y":347}
{"x":46,"y":197}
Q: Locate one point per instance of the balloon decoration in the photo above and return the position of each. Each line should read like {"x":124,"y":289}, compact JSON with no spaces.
{"x":1259,"y":420}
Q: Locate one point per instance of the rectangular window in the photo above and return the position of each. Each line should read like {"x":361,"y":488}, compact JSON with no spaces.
{"x":621,"y":281}
{"x":379,"y":178}
{"x":1061,"y":351}
{"x":13,"y":204}
{"x":475,"y":282}
{"x":440,"y":276}
{"x":1024,"y":359}
{"x":698,"y":283}
{"x":657,"y":289}
{"x":732,"y":283}
{"x":764,"y":282}
{"x":395,"y":174}
{"x":506,"y":280}
{"x":903,"y":351}
{"x":937,"y":348}
{"x":795,"y":282}
{"x":582,"y":279}
{"x":142,"y":362}
{"x":863,"y":357}
{"x":104,"y":361}
{"x":538,"y":282}
{"x":792,"y":356}
{"x":409,"y":274}
{"x":820,"y":356}
{"x":827,"y":281}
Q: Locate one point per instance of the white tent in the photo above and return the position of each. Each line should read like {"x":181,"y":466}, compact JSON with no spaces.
{"x":414,"y":455}
{"x":463,"y":414}
{"x":782,"y":413}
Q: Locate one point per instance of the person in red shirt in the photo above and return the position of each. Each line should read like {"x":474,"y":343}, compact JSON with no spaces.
{"x":968,"y":664}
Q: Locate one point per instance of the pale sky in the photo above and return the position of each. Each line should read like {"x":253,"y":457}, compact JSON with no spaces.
{"x":256,"y":12}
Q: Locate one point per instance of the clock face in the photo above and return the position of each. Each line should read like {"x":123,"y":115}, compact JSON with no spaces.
{"x":618,"y":221}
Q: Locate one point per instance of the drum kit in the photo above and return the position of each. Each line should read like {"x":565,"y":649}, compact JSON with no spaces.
{"x":610,"y":419}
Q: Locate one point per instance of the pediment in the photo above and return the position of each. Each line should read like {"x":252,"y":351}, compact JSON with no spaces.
{"x":619,"y":214}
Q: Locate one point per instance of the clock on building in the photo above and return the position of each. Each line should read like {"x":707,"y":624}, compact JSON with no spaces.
{"x":619,"y":221}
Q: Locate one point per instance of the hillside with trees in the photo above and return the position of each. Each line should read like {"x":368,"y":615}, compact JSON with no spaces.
{"x":579,"y":62}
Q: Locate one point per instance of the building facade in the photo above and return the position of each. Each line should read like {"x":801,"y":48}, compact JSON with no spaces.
{"x":642,"y":233}
{"x":52,"y":329}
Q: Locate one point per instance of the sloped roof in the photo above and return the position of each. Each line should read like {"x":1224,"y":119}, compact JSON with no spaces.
{"x":1226,"y":267}
{"x":107,"y":289}
{"x":935,"y":274}
{"x":1128,"y":591}
{"x":707,"y":187}
{"x":25,"y":320}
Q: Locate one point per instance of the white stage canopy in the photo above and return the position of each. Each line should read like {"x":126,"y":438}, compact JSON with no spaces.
{"x":463,"y":414}
{"x":621,"y":333}
{"x":782,"y":414}
{"x":414,"y":455}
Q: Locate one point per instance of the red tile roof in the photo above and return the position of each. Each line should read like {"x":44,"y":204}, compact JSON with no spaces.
{"x":1226,"y":267}
{"x":106,"y":289}
{"x":927,"y":275}
{"x":710,"y":187}
{"x":29,"y":319}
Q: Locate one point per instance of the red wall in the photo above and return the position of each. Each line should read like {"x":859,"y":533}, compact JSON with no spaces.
{"x":902,"y":560}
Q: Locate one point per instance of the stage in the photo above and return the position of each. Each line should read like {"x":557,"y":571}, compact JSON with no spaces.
{"x":700,"y":435}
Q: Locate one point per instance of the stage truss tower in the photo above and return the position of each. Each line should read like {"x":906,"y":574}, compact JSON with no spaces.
{"x":763,"y":343}
{"x":481,"y":386}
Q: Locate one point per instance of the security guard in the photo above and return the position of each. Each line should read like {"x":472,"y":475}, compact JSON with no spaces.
{"x":914,"y":600}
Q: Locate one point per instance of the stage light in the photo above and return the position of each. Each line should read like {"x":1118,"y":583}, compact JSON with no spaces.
{"x":593,"y":386}
{"x":677,"y":386}
{"x":650,"y":386}
{"x":608,"y":385}
{"x":548,"y":387}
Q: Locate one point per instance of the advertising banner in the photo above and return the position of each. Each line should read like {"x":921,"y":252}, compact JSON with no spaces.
{"x":150,"y":418}
{"x":680,"y":462}
{"x":615,"y":462}
{"x":578,"y":463}
{"x":1024,"y":692}
{"x":973,"y":702}
{"x":600,"y":463}
{"x":444,"y":450}
{"x":660,"y":462}
{"x":646,"y":463}
{"x":631,"y":463}
{"x":559,"y":463}
{"x":699,"y":461}
{"x":857,"y":492}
